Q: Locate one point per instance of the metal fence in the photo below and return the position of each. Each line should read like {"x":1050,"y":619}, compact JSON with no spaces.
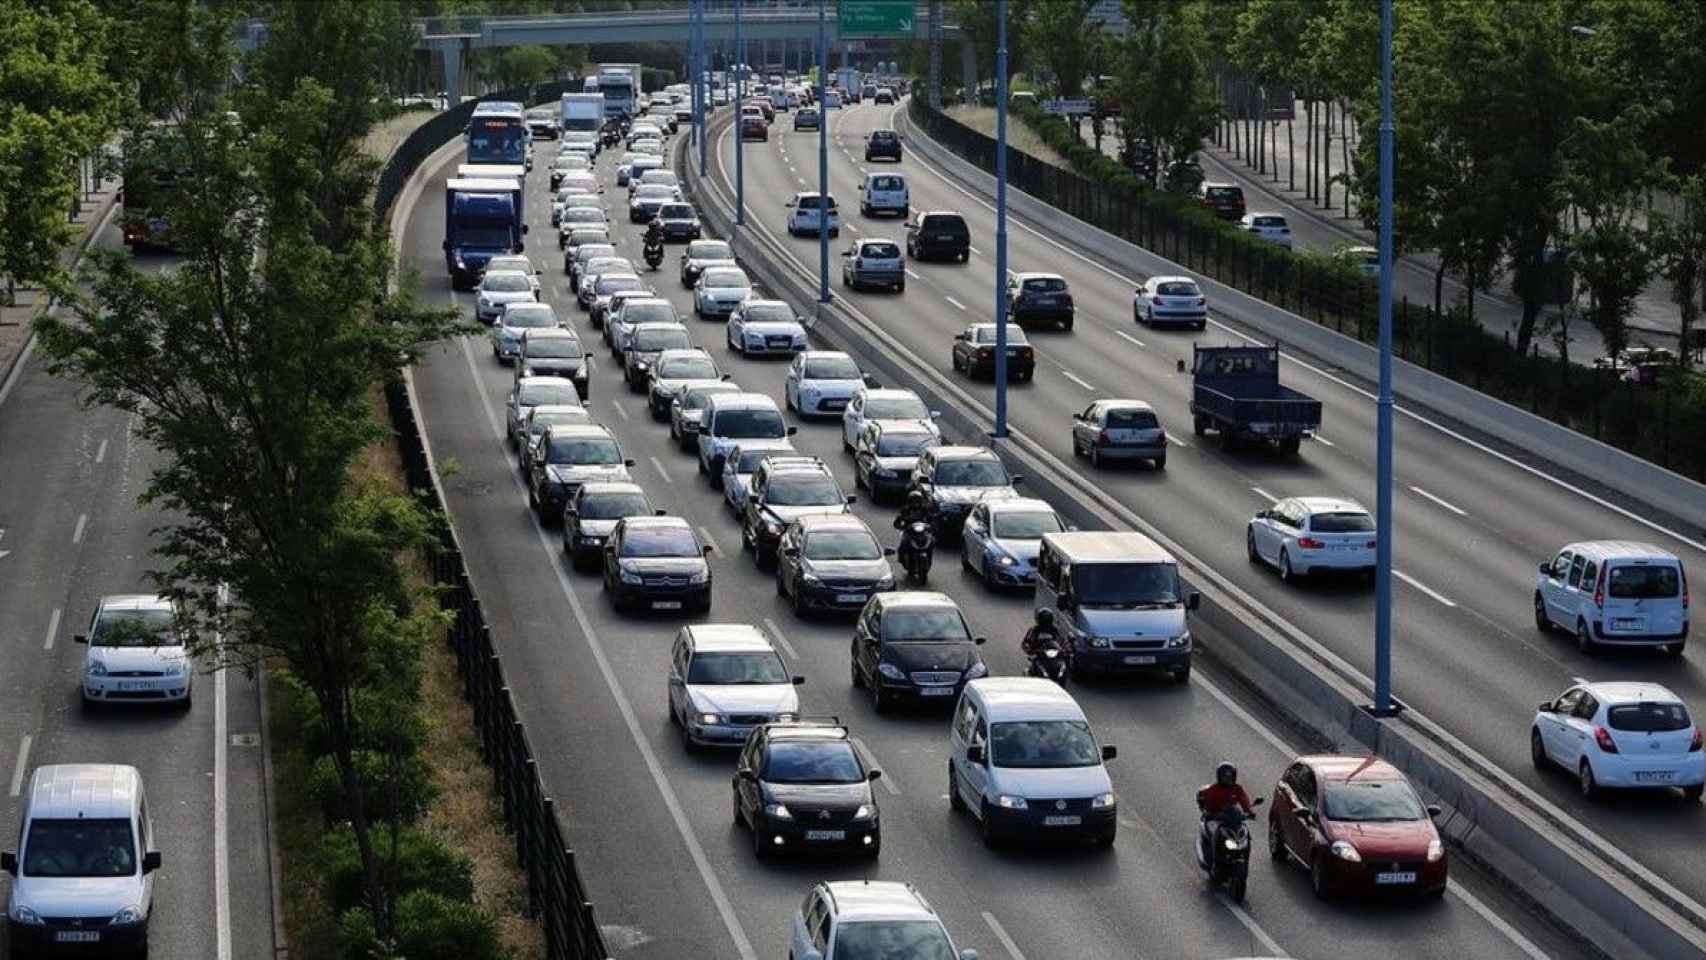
{"x":1661,"y":422}
{"x":556,"y":894}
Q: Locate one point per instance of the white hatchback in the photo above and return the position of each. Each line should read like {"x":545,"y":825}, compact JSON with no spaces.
{"x":1620,"y":735}
{"x":884,"y":403}
{"x":822,"y":382}
{"x":1269,"y":226}
{"x":804,"y":218}
{"x":135,"y":653}
{"x":1299,"y":536}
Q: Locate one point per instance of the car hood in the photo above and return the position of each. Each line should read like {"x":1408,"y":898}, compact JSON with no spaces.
{"x":934,"y":655}
{"x":834,"y":388}
{"x":1049,"y":783}
{"x":1386,"y":841}
{"x":790,"y":514}
{"x":136,"y":658}
{"x":820,"y":796}
{"x":847,"y":569}
{"x":550,"y":366}
{"x":680,"y":221}
{"x":898,"y":463}
{"x":745,"y":698}
{"x":578,"y":473}
{"x":772,"y":328}
{"x":696,"y":263}
{"x":1025,"y":550}
{"x":974,"y":494}
{"x":664,"y":565}
{"x":1121,"y":624}
{"x":505,"y":296}
{"x":77,"y":896}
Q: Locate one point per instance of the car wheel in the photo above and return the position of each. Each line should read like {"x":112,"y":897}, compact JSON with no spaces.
{"x":1276,"y":841}
{"x":800,"y":609}
{"x":988,"y":577}
{"x":900,"y":286}
{"x":1674,"y":650}
{"x":1318,"y":877}
{"x":986,"y":828}
{"x":1095,"y":455}
{"x":1584,"y":639}
{"x":965,"y":256}
{"x":1250,"y":546}
{"x":879,"y":700}
{"x":1693,"y":794}
{"x":1586,"y":782}
{"x":853,"y":672}
{"x":1537,"y":750}
{"x":1160,"y":463}
{"x":1542,"y":622}
{"x":760,"y":849}
{"x":1285,"y":570}
{"x":955,"y":804}
{"x":1077,"y":448}
{"x":1182,"y":674}
{"x":1149,"y":316}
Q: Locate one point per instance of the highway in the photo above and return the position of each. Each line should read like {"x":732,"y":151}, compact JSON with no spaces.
{"x":1472,"y":519}
{"x":670,"y":874}
{"x":71,"y":532}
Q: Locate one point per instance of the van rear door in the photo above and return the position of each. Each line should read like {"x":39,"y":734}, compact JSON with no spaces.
{"x":1643,"y":597}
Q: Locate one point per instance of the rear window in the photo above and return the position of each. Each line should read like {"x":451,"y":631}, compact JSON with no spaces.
{"x":1177,"y":290}
{"x":750,"y":424}
{"x":1644,"y":582}
{"x":887,"y":183}
{"x":1015,"y":334}
{"x":1341,"y":523}
{"x":1225,"y":193}
{"x":1045,"y":285}
{"x":945,"y":223}
{"x":809,"y":202}
{"x":1268,"y":221}
{"x":1132,"y":419}
{"x":880,"y":251}
{"x":1649,"y":717}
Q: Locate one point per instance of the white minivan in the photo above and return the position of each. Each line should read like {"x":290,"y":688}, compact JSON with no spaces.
{"x":804,"y":218}
{"x":885,"y":192}
{"x":83,"y":873}
{"x":1022,"y":760}
{"x":1614,"y":593}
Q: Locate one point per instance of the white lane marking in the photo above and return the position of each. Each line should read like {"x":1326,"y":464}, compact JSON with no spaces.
{"x":802,"y":180}
{"x":1323,"y":440}
{"x":1269,"y":945}
{"x":661,"y":471}
{"x":1449,"y":506}
{"x":1419,"y":585}
{"x":710,"y":540}
{"x":913,"y":275}
{"x":101,"y":452}
{"x":1447,"y":431}
{"x":707,"y":875}
{"x":621,"y":411}
{"x":853,"y":227}
{"x":52,"y":629}
{"x":1495,"y":921}
{"x":77,"y":534}
{"x":1001,"y":935}
{"x":975,"y":251}
{"x":780,"y":637}
{"x":1265,"y":495}
{"x":221,"y":818}
{"x":954,"y":302}
{"x":20,"y":765}
{"x":871,"y":758}
{"x":1133,"y":339}
{"x":1175,"y":440}
{"x":1068,"y":374}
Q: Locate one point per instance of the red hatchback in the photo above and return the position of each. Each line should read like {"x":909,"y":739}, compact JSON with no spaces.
{"x":1358,"y":826}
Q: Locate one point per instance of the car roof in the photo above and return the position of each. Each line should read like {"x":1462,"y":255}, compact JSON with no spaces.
{"x":720,"y":637}
{"x":1206,"y":184}
{"x":532,"y":381}
{"x":745,"y":399}
{"x":888,"y":393}
{"x":959,"y":452}
{"x":767,"y":302}
{"x":1025,"y":698}
{"x":914,"y":598}
{"x":822,"y":354}
{"x":1621,"y":550}
{"x":1331,"y":767}
{"x":1155,"y":281}
{"x":1019,"y":505}
{"x":659,"y":325}
{"x":674,"y":353}
{"x":549,"y":333}
{"x":712,"y":386}
{"x":885,"y":425}
{"x":579,"y":430}
{"x":658,"y":523}
{"x":808,"y":730}
{"x":135,"y":601}
{"x":877,"y":900}
{"x":612,"y":487}
{"x":1124,"y":403}
{"x":73,"y":791}
{"x":1035,"y":275}
{"x":1612,"y":693}
{"x":835,"y":521}
{"x":1329,"y":505}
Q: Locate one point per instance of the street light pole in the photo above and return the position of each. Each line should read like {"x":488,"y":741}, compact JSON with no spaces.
{"x":740,"y":138}
{"x":1383,"y":407}
{"x":1000,"y":219}
{"x":701,"y":67}
{"x":822,"y":155}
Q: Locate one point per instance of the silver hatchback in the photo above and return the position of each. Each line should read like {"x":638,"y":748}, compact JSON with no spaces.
{"x":874,"y":262}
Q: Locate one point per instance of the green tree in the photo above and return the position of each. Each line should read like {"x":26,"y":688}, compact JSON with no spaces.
{"x":977,"y":19}
{"x":1679,"y":240}
{"x":1165,"y":93}
{"x":521,"y":66}
{"x":1061,"y":39}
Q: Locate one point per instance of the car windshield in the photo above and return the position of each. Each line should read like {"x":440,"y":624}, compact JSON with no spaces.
{"x":531,"y":316}
{"x":649,"y":341}
{"x":1015,"y":335}
{"x":1126,"y":585}
{"x":1371,"y":801}
{"x":1224,"y":193}
{"x":1014,"y":525}
{"x":725,"y":669}
{"x":725,"y":278}
{"x":539,"y":394}
{"x":895,"y":408}
{"x":1649,"y":717}
{"x":1346,"y":522}
{"x":1643,"y":582}
{"x":613,"y":506}
{"x":687,"y":368}
{"x":831,"y":368}
{"x":904,"y":444}
{"x":880,"y":251}
{"x":802,"y":490}
{"x":133,"y":628}
{"x":506,"y":283}
{"x":924,"y":624}
{"x":892,"y":940}
{"x":583,"y":215}
{"x":751,"y":424}
{"x":823,"y":761}
{"x":1132,"y":419}
{"x":842,"y":545}
{"x":613,"y":284}
{"x":84,"y":847}
{"x":660,"y":542}
{"x":709,"y":250}
{"x":770,"y":313}
{"x":654,"y":311}
{"x":676,"y":211}
{"x":1043,"y":743}
{"x":596,"y":264}
{"x":584,"y":451}
{"x":971,"y":473}
{"x":554,"y":348}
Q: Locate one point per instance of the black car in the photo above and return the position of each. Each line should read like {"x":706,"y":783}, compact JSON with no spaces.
{"x":643,"y":346}
{"x":914,"y":644}
{"x":938,"y":235}
{"x":701,"y":252}
{"x":1040,"y":298}
{"x":831,"y":563}
{"x":953,"y":479}
{"x":555,"y":353}
{"x":672,"y":371}
{"x":569,"y":455}
{"x":882,"y":144}
{"x":885,"y":454}
{"x":1225,"y":199}
{"x":811,"y":772}
{"x":783,"y":490}
{"x":974,"y":352}
{"x":680,"y":222}
{"x":591,"y":517}
{"x":657,"y":563}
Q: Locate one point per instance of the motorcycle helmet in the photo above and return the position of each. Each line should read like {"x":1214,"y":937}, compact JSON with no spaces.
{"x":915,"y":499}
{"x":1226,"y":774}
{"x":1045,"y":618}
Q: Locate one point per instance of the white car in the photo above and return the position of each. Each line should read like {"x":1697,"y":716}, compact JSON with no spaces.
{"x":850,"y":919}
{"x":657,"y":175}
{"x":1170,"y":300}
{"x":513,"y":324}
{"x":884,"y":403}
{"x":724,"y":680}
{"x":1269,"y":226}
{"x":135,"y":653}
{"x":1617,"y":593}
{"x":758,"y":327}
{"x":821,"y":382}
{"x":581,"y":197}
{"x":518,"y":263}
{"x":1623,"y":734}
{"x":1364,"y":260}
{"x":1001,"y":539}
{"x":719,"y":291}
{"x":575,"y":217}
{"x":628,"y":310}
{"x":1299,"y":536}
{"x":884,"y":192}
{"x":804,"y":218}
{"x":500,"y":288}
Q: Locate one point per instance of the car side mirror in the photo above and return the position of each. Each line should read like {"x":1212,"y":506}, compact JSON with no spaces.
{"x":798,"y":680}
{"x":447,"y":244}
{"x":979,"y":640}
{"x":524,"y":228}
{"x":790,"y":551}
{"x":1547,"y":706}
{"x":852,"y":500}
{"x":746,"y":773}
{"x":705,"y":550}
{"x":1546,"y":567}
{"x":570,"y":511}
{"x":873,"y":775}
{"x":793,"y":430}
{"x":974,"y":754}
{"x":728,"y":376}
{"x":629,"y":463}
{"x":660,"y":513}
{"x":1109,"y":752}
{"x":151,"y":861}
{"x":871,"y":382}
{"x":1078,"y":416}
{"x":1434,"y":810}
{"x":888,"y":551}
{"x":1017,"y":480}
{"x":9,"y":862}
{"x":1193,"y":600}
{"x":961,"y":336}
{"x":80,"y":638}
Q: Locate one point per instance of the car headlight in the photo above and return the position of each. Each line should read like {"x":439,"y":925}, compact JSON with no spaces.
{"x":864,"y":812}
{"x":812,"y":579}
{"x":979,"y":669}
{"x":24,"y":915}
{"x":891,"y":671}
{"x":129,"y":915}
{"x":1231,"y":844}
{"x":1436,"y":850}
{"x":779,"y":811}
{"x":711,"y":718}
{"x":772,"y":525}
{"x":1011,"y":803}
{"x":883,"y":473}
{"x":1102,"y":802}
{"x":97,"y":669}
{"x":699,"y":576}
{"x":459,"y":262}
{"x":1345,"y":850}
{"x":1005,"y":560}
{"x":641,"y":365}
{"x":1182,"y":640}
{"x":886,"y":583}
{"x":629,"y":576}
{"x":1099,"y":643}
{"x":179,"y":669}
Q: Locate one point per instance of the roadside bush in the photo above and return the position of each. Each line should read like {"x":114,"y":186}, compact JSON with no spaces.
{"x":435,"y":927}
{"x":398,"y":787}
{"x":424,"y":862}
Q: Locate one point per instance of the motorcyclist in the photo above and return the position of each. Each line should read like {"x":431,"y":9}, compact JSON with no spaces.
{"x":1040,"y":634}
{"x":654,"y":234}
{"x":916,"y":508}
{"x":1213,"y":799}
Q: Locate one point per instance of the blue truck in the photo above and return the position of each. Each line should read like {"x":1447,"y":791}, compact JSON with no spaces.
{"x":482,"y":220}
{"x":1236,"y":392}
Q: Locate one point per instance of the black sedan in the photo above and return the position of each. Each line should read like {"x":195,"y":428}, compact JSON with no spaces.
{"x":657,"y":563}
{"x":680,"y":222}
{"x":803,"y":787}
{"x":974,"y":352}
{"x":831,"y":563}
{"x":914,"y":644}
{"x":882,"y":144}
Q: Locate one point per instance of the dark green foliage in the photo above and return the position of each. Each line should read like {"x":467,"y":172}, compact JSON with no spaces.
{"x":423,"y":862}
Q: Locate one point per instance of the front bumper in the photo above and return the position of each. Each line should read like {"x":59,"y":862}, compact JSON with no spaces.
{"x":823,"y":404}
{"x":1130,"y":660}
{"x":688,"y":597}
{"x":1344,"y":876}
{"x":1034,"y":821}
{"x":716,"y":308}
{"x":843,"y":597}
{"x":764,"y":345}
{"x":808,"y":835}
{"x":896,"y":482}
{"x":46,"y":939}
{"x":681,"y":231}
{"x":941,"y":693}
{"x":111,"y":689}
{"x":585,"y":548}
{"x":1020,"y":573}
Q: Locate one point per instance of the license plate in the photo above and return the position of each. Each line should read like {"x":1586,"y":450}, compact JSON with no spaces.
{"x":1406,"y":876}
{"x":944,"y":236}
{"x":666,"y":604}
{"x":132,"y":685}
{"x":936,"y":691}
{"x":1068,"y":820}
{"x":826,"y":834}
{"x":779,"y":341}
{"x":1012,"y":351}
{"x":849,"y":598}
{"x":1139,"y":660}
{"x":1629,"y":623}
{"x":1654,"y":776}
{"x":834,"y":404}
{"x":77,"y":936}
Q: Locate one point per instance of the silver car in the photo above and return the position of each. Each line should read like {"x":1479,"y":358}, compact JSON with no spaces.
{"x":513,"y":324}
{"x":741,"y":463}
{"x":530,"y":392}
{"x":671,"y":371}
{"x":719,"y":291}
{"x":541,"y":417}
{"x":1119,"y":430}
{"x":500,"y":288}
{"x":874,"y":263}
{"x":689,"y":404}
{"x":1001,"y":539}
{"x":765,"y":327}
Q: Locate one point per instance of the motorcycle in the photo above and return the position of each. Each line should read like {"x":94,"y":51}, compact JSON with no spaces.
{"x":1229,"y":844}
{"x":654,"y":254}
{"x":917,"y":549}
{"x":1050,"y":662}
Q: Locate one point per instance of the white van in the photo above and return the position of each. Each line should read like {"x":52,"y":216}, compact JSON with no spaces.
{"x":1022,"y":760}
{"x":885,"y":192}
{"x":1614,"y":593}
{"x":1118,"y":602}
{"x":83,"y":874}
{"x":804,"y":218}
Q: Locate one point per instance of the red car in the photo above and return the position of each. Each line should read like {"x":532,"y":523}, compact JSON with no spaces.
{"x":1358,"y":826}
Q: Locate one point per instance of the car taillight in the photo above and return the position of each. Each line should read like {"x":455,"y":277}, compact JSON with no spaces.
{"x":1599,"y":589}
{"x":1685,"y":603}
{"x":983,"y":351}
{"x":1602,"y":737}
{"x":1310,"y":543}
{"x":1694,"y":744}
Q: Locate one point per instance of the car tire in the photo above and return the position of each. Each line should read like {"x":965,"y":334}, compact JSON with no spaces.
{"x":1095,"y":455}
{"x":1182,"y":675}
{"x":1584,"y":639}
{"x":1285,"y":572}
{"x":853,"y":673}
{"x":760,"y":849}
{"x":1250,"y":546}
{"x":986,"y":828}
{"x":1160,"y":463}
{"x":1276,"y":842}
{"x":965,"y":256}
{"x":900,"y":286}
{"x":955,"y":804}
{"x":905,"y":212}
{"x":1542,"y":622}
{"x":879,"y":701}
{"x":798,"y":599}
{"x":1537,"y":750}
{"x":1318,"y":878}
{"x":1692,"y":794}
{"x":1586,"y":783}
{"x":1674,"y":650}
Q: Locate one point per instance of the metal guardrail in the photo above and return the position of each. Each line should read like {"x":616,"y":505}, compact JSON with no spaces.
{"x":556,"y":894}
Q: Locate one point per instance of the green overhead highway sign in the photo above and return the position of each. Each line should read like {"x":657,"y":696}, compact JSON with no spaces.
{"x":876,"y":18}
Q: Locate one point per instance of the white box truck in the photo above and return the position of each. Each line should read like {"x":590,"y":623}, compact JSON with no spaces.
{"x":582,"y":112}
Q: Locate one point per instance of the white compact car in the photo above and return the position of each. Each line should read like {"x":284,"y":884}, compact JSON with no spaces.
{"x":884,"y":192}
{"x":719,"y":291}
{"x":1614,"y":593}
{"x":805,"y":217}
{"x":1300,"y":536}
{"x":758,"y":327}
{"x":852,"y":919}
{"x":884,"y":403}
{"x":1621,"y":734}
{"x":874,"y":262}
{"x":1269,"y":226}
{"x":724,"y":680}
{"x":1170,"y":300}
{"x":821,"y":382}
{"x":135,"y":654}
